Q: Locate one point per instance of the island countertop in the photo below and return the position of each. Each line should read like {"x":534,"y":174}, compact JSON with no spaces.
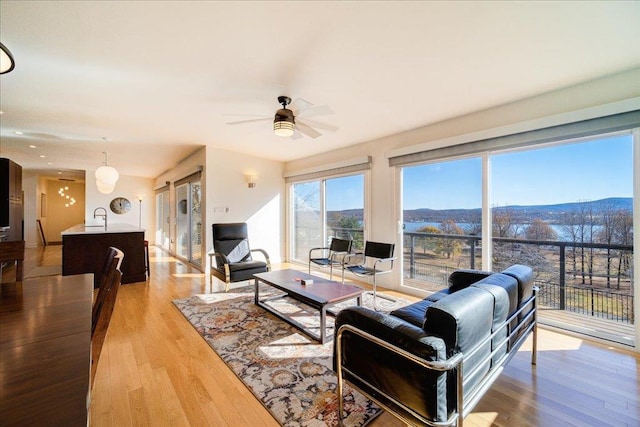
{"x":99,"y":229}
{"x":84,"y":248}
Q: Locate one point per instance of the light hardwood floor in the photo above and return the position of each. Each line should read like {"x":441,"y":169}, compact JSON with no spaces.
{"x":155,"y":369}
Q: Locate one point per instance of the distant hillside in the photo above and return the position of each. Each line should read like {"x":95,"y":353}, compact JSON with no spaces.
{"x":522,"y":213}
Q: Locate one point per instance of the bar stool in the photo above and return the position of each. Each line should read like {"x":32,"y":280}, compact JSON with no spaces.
{"x":146,"y":258}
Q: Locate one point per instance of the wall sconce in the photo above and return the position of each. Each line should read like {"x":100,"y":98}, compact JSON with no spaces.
{"x":251,"y":180}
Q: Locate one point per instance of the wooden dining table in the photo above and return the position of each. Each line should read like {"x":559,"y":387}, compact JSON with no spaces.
{"x":45,"y":351}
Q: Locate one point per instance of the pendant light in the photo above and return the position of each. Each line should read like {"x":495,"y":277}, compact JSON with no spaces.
{"x":106,"y":176}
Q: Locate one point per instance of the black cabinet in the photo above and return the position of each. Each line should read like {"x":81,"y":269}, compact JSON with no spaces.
{"x":11,"y":204}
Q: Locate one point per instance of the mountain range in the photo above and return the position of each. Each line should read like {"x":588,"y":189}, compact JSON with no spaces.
{"x":522,"y":213}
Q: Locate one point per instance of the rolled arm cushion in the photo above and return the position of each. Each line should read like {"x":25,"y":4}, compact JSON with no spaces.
{"x":419,"y":388}
{"x":463,"y":320}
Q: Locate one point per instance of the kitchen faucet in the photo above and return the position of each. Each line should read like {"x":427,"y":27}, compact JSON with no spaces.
{"x":103,"y":215}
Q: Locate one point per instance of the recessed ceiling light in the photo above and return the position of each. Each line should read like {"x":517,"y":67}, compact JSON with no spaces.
{"x":42,"y":156}
{"x":49,"y":163}
{"x":18,"y":132}
{"x":59,"y":173}
{"x":32,"y":146}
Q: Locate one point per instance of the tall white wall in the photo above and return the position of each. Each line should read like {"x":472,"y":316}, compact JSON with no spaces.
{"x":229,"y":199}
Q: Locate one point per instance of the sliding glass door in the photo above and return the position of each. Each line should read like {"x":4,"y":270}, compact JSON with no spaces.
{"x":163,"y":217}
{"x":563,"y":208}
{"x":442,"y":221}
{"x":326,"y":208}
{"x":189,"y":220}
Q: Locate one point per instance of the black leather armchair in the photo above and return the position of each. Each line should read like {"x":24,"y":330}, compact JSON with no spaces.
{"x":232,"y":254}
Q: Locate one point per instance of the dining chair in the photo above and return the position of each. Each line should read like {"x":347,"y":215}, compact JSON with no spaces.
{"x":112,"y":262}
{"x":331,"y":255}
{"x":13,"y":253}
{"x":104,"y":305}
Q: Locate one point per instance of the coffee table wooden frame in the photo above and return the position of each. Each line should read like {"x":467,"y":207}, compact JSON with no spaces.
{"x":321,"y":294}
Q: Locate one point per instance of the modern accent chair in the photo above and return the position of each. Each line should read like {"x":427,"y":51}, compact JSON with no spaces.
{"x":330,"y":256}
{"x":232,"y":254}
{"x":377,"y":258}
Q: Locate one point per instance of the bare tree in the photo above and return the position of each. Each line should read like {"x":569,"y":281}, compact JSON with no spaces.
{"x":427,"y":242}
{"x":540,"y":230}
{"x":450,"y":247}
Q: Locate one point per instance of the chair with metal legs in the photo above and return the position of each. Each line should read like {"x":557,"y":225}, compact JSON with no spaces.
{"x":330,"y":256}
{"x":371,"y":262}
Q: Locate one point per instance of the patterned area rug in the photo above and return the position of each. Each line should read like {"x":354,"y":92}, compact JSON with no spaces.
{"x":288,"y":372}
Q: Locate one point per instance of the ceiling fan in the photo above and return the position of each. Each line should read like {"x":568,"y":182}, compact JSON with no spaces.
{"x":288,"y":122}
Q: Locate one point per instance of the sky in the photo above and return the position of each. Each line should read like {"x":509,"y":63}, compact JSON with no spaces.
{"x":557,"y":174}
{"x":570,"y":172}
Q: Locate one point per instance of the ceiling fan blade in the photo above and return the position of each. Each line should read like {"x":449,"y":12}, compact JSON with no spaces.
{"x":317,"y":110}
{"x":317,"y":124}
{"x":242,"y":122}
{"x":296,"y":134}
{"x":307,"y":130}
{"x":299,"y":105}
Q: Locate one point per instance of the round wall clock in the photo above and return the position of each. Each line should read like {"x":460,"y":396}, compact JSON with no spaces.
{"x":120,"y":205}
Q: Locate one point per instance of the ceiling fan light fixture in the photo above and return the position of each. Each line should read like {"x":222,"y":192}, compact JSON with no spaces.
{"x":283,"y":128}
{"x":284,"y":123}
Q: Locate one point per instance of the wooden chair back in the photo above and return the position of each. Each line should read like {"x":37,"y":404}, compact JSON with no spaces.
{"x":13,"y":252}
{"x":99,"y":333}
{"x":111,"y":263}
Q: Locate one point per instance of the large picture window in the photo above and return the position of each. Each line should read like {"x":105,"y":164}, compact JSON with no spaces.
{"x":326,"y":208}
{"x":564,"y":208}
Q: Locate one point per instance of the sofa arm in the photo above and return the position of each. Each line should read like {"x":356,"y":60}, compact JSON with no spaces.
{"x":385,"y":372}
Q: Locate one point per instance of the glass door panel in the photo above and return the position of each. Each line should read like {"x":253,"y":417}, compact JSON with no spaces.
{"x":162,"y":220}
{"x":182,"y":221}
{"x":307,"y":219}
{"x":442,"y":221}
{"x":566,"y":210}
{"x":196,"y":223}
{"x":345,"y":209}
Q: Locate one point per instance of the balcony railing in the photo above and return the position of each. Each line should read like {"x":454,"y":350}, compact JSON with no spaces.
{"x":572,"y":276}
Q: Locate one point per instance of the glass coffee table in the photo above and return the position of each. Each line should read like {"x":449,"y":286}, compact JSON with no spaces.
{"x":320,"y":295}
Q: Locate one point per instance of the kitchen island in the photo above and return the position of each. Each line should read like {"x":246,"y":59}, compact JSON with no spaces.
{"x":84,"y":248}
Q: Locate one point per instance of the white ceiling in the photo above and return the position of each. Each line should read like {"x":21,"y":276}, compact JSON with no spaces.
{"x":160,"y":79}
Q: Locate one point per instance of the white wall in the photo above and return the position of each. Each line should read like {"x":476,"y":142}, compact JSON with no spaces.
{"x":230,"y":200}
{"x":30,"y":194}
{"x":130,"y":187}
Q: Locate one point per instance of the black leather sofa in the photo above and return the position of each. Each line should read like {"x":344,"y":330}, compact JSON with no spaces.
{"x":429,"y":363}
